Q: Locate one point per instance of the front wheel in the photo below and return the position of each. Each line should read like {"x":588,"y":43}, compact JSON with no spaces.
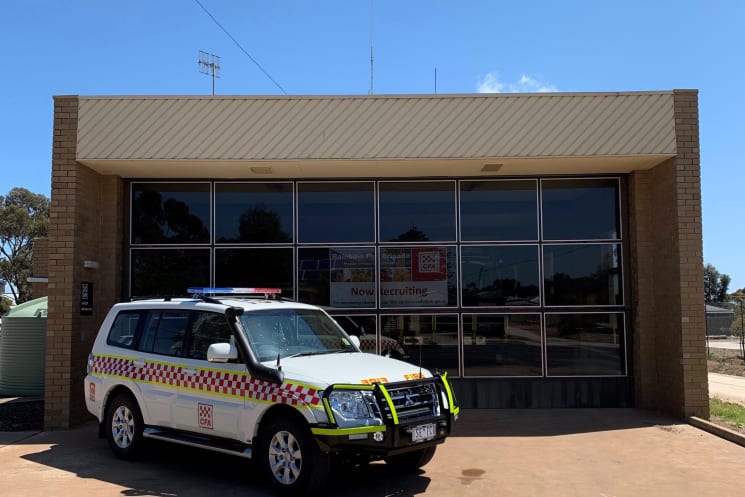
{"x":292,"y":460}
{"x":410,"y":461}
{"x":124,"y":426}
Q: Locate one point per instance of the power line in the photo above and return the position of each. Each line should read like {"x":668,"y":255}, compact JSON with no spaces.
{"x":239,"y":46}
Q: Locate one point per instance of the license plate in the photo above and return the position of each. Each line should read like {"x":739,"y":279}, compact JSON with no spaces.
{"x":423,"y":432}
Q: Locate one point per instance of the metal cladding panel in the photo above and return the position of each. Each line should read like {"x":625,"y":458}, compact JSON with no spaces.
{"x":376,"y":127}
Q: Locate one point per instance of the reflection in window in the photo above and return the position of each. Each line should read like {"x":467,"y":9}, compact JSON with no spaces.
{"x":417,"y":211}
{"x":584,"y":344}
{"x":336,"y":212}
{"x":418,"y":277}
{"x":364,"y":327}
{"x":580,"y":209}
{"x":170,"y":213}
{"x":169,"y":271}
{"x":502,"y":345}
{"x":498,"y":210}
{"x":431,"y":340}
{"x":500,"y":276}
{"x":253,"y":212}
{"x":582,"y":274}
{"x":207,"y":328}
{"x":341,"y":277}
{"x":255,"y":267}
{"x":164,"y":332}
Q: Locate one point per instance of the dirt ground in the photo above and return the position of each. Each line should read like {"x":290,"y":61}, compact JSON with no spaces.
{"x":726,"y":362}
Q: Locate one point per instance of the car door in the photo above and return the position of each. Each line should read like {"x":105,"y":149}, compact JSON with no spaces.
{"x":157,"y":368}
{"x":210,"y":400}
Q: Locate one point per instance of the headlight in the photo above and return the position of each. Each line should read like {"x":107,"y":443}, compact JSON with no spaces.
{"x":354,"y":408}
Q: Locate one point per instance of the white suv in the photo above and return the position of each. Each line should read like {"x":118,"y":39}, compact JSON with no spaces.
{"x":261,"y":378}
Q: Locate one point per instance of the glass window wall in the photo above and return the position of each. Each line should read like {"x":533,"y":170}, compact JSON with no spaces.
{"x":253,"y":212}
{"x":585,"y":344}
{"x":418,"y":277}
{"x":586,"y":275}
{"x":502,"y":345}
{"x":417,"y":211}
{"x":580,"y":209}
{"x":500,"y":275}
{"x":170,"y":213}
{"x":168,"y":271}
{"x":255,"y":267}
{"x":336,"y":212}
{"x":498,"y":210}
{"x":431,"y":340}
{"x":341,"y":277}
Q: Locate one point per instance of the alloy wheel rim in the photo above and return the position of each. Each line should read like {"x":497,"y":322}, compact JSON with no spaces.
{"x":285,"y":458}
{"x":123,"y":427}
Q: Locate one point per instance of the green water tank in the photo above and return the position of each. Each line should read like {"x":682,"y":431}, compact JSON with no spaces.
{"x":22,"y":349}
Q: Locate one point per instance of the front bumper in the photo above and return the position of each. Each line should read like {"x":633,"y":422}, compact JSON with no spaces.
{"x":402,"y":416}
{"x":380,"y":441}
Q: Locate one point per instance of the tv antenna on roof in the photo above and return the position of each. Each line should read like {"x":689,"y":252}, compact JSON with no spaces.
{"x":209,"y":64}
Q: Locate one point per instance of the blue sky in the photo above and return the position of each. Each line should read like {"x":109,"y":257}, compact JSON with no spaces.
{"x":142,"y":47}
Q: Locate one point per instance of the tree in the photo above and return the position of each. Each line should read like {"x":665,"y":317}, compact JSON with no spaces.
{"x":23,"y":216}
{"x":716,"y":284}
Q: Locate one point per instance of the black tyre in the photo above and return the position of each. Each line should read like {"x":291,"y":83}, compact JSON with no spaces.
{"x":123,"y":426}
{"x":411,"y":461}
{"x":292,"y":460}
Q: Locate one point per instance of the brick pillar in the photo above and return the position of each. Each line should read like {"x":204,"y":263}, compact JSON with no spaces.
{"x":667,"y":275}
{"x":85,"y":225}
{"x":40,"y":266}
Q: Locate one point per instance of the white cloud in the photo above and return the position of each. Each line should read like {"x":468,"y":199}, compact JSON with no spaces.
{"x":526,"y":84}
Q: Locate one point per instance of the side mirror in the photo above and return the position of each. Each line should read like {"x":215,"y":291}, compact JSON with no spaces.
{"x":355,"y":340}
{"x":222,"y":352}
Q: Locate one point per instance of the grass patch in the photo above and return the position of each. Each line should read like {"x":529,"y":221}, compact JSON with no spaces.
{"x":728,"y":411}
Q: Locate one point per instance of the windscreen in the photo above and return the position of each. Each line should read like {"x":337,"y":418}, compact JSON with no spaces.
{"x":293,"y":332}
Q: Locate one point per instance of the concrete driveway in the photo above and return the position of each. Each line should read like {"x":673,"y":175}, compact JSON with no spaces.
{"x":526,"y":453}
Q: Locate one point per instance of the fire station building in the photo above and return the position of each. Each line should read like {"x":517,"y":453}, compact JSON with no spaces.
{"x":543,"y":249}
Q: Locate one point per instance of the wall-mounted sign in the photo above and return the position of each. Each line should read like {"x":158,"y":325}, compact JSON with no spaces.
{"x":86,"y":298}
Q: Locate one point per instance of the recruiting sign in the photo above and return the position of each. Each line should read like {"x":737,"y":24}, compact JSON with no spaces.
{"x":413,"y":277}
{"x":351,"y":279}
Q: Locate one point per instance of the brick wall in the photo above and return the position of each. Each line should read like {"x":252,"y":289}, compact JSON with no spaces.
{"x":40,"y":266}
{"x":667,"y":275}
{"x":85,"y":224}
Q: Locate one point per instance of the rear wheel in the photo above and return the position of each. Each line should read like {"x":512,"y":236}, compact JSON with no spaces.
{"x":410,"y":461}
{"x":292,"y":460}
{"x":124,"y":426}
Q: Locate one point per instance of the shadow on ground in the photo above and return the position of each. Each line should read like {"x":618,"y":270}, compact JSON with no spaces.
{"x":167,"y":470}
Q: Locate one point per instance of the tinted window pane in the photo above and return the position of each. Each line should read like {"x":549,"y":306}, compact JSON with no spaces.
{"x":336,"y":212}
{"x":502,"y":345}
{"x":338,"y":277}
{"x":582,"y":209}
{"x":208,"y":328}
{"x":364,"y":328}
{"x":170,"y":271}
{"x":253,"y":212}
{"x":431,"y":340}
{"x":417,"y":212}
{"x":582,"y":274}
{"x":498,"y":210}
{"x":500,"y":276}
{"x":164,"y":332}
{"x":170,"y":213}
{"x":584,"y":344}
{"x":418,"y":277}
{"x":122,"y":333}
{"x":270,"y":267}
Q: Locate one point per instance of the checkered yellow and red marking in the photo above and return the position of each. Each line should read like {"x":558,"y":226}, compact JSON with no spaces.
{"x":214,"y":381}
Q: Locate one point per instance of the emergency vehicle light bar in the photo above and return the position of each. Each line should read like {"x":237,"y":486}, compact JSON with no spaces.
{"x":233,"y":291}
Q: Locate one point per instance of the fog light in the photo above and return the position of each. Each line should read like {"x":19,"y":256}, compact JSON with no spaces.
{"x":378,"y":436}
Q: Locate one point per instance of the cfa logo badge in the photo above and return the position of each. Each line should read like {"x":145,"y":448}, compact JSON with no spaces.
{"x":205,"y":416}
{"x":92,"y":392}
